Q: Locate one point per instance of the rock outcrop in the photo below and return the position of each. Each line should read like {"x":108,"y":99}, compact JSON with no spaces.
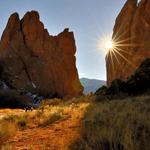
{"x":33,"y":61}
{"x":132,"y":37}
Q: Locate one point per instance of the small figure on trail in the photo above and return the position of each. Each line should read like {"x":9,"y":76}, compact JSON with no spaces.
{"x":28,"y":108}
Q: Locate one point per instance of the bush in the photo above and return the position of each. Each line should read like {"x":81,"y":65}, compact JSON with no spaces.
{"x":102,"y":90}
{"x":22,"y":122}
{"x":137,"y":84}
{"x":117,"y":90}
{"x":52,"y":118}
{"x":140,"y":81}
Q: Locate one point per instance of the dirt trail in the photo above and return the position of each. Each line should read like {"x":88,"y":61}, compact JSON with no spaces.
{"x":57,"y":136}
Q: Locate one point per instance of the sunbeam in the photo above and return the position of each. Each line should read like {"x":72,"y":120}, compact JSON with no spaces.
{"x":114,"y":47}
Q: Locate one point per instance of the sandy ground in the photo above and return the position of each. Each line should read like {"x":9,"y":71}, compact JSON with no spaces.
{"x":57,"y":136}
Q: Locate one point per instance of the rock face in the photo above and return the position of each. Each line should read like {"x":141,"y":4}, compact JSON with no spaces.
{"x":131,"y":35}
{"x":31,"y":60}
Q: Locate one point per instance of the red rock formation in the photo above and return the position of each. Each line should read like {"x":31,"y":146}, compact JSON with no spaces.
{"x":132,"y":30}
{"x":34,"y":61}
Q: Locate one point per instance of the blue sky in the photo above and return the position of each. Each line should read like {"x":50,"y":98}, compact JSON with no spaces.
{"x":88,"y":19}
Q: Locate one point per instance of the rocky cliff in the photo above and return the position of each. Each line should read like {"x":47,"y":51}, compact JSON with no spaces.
{"x":132,"y":40}
{"x":33,"y":61}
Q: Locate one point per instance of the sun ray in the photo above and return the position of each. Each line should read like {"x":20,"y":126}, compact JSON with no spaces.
{"x":112,"y":62}
{"x":115,"y":56}
{"x":125,"y":59}
{"x":119,"y":34}
{"x":119,"y":49}
{"x":121,"y":41}
{"x":126,"y":45}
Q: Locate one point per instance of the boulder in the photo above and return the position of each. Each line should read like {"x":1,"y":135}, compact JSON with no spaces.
{"x":33,"y":61}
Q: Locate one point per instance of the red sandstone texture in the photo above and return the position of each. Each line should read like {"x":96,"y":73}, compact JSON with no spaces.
{"x":132,"y":30}
{"x":33,"y":61}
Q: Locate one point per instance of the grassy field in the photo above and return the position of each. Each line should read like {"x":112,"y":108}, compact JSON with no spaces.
{"x":53,"y":126}
{"x":80,"y":124}
{"x":116,"y":125}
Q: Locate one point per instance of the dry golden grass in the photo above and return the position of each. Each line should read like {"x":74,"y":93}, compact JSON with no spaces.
{"x":48,"y":113}
{"x":57,"y":125}
{"x":7,"y":147}
{"x":106,"y":125}
{"x":7,"y":129}
{"x":116,"y":125}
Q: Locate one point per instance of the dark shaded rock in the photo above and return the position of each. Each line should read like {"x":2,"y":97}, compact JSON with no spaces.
{"x":3,"y":85}
{"x":34,"y":61}
{"x":138,"y":83}
{"x":11,"y":99}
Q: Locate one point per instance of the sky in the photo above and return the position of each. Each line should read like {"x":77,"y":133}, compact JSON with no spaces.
{"x":90,"y":20}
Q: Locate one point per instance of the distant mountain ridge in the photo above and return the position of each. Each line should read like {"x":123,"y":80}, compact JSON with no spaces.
{"x":91,"y":85}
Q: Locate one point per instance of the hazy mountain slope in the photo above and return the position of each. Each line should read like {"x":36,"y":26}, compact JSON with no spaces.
{"x":91,"y":85}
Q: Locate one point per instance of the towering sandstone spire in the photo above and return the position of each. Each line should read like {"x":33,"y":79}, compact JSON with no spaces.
{"x":132,"y":32}
{"x":31,"y":60}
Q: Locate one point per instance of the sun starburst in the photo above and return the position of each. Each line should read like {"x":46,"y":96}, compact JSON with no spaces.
{"x":116,"y":47}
